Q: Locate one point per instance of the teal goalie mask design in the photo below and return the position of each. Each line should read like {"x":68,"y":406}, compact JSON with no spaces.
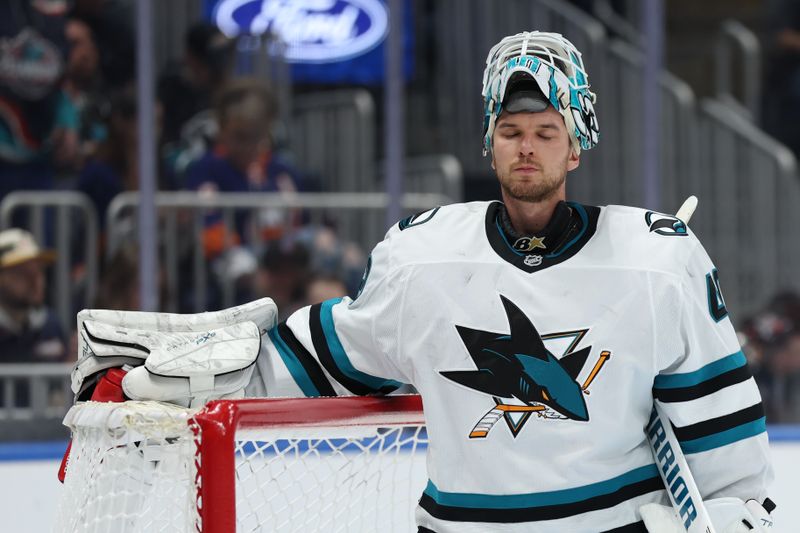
{"x":556,"y":66}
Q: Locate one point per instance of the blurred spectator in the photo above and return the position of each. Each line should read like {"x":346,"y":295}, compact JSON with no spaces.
{"x":771,"y":342}
{"x":112,"y":24}
{"x":238,"y":267}
{"x":188,"y":88}
{"x":29,"y":331}
{"x":308,"y":266}
{"x":782,"y":97}
{"x":119,"y":282}
{"x":37,"y":120}
{"x":330,"y":257}
{"x":283,"y":275}
{"x":83,"y":85}
{"x":322,"y":288}
{"x":114,"y":168}
{"x":243,"y":161}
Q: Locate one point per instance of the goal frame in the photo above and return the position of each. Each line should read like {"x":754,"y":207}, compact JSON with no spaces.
{"x":215,"y":427}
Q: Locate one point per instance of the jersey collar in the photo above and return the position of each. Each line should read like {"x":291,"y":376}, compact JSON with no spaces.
{"x":570,"y":228}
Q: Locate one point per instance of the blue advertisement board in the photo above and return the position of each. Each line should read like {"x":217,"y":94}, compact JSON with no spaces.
{"x":325,"y":41}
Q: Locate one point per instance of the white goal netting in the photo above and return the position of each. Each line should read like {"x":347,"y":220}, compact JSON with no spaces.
{"x":334,"y":464}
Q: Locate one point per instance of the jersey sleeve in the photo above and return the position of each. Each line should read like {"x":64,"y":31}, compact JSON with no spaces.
{"x":340,"y":346}
{"x":708,"y":392}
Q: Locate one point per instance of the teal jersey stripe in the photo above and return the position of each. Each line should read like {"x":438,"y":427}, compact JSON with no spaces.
{"x":340,"y":356}
{"x":711,"y":370}
{"x":723,"y":438}
{"x":540,"y":499}
{"x":296,"y":369}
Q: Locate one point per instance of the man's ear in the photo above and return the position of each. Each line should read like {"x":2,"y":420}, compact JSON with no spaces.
{"x":574,"y":160}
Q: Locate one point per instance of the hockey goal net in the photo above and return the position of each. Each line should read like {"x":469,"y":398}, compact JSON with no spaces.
{"x":310,"y":464}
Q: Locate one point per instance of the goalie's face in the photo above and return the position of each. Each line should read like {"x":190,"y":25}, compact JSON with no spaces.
{"x":531,"y":155}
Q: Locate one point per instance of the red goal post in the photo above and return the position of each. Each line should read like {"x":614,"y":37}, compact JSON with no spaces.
{"x":240,"y":464}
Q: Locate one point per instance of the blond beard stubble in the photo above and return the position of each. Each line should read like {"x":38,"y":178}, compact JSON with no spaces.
{"x":535,"y":191}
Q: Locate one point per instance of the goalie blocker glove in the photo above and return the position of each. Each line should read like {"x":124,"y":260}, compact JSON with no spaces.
{"x":182,"y":359}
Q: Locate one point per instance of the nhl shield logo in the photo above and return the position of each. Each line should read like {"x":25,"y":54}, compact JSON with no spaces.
{"x":533,"y":260}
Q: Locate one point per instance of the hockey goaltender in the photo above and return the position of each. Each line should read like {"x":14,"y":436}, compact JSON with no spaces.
{"x":574,"y":319}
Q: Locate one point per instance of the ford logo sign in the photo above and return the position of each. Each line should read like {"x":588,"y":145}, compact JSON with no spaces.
{"x":315,"y":31}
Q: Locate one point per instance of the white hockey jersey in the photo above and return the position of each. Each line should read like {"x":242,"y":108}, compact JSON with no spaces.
{"x":538,"y":369}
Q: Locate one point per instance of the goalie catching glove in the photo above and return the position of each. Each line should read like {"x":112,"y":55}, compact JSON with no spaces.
{"x":181,"y":359}
{"x":729,"y":515}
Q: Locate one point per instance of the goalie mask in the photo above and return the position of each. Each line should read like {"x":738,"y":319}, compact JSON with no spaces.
{"x":556,"y":67}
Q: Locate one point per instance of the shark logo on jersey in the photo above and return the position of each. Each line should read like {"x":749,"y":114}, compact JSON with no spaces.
{"x":523,"y":376}
{"x":665,"y":224}
{"x":417,"y":220}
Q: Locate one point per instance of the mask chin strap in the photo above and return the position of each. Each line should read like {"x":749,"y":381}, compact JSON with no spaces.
{"x":487,"y":139}
{"x":569,"y":121}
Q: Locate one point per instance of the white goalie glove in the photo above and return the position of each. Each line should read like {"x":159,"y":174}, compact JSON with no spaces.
{"x":729,"y":515}
{"x":181,"y":359}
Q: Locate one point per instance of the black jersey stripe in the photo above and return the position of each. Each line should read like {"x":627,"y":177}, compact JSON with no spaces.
{"x":311,"y":366}
{"x":545,"y":512}
{"x":720,"y":423}
{"x":636,"y":527}
{"x":326,"y":358}
{"x":684,"y":394}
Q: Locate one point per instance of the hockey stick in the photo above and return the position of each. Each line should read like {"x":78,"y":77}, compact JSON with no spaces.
{"x":687,"y":209}
{"x":681,"y":487}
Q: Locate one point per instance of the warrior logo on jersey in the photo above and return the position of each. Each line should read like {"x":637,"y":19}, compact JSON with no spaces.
{"x":523,"y":376}
{"x":665,"y":224}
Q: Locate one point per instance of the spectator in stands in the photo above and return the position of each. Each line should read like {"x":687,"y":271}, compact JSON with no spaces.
{"x":119,"y":281}
{"x":324,"y":287}
{"x":112,"y":24}
{"x":83,"y":85}
{"x":771,"y":342}
{"x":242,"y":161}
{"x":29,"y":331}
{"x":308,"y":266}
{"x":331,"y":257}
{"x":188,"y":88}
{"x":114,"y":168}
{"x":37,"y":121}
{"x":782,"y":94}
{"x":283,"y":275}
